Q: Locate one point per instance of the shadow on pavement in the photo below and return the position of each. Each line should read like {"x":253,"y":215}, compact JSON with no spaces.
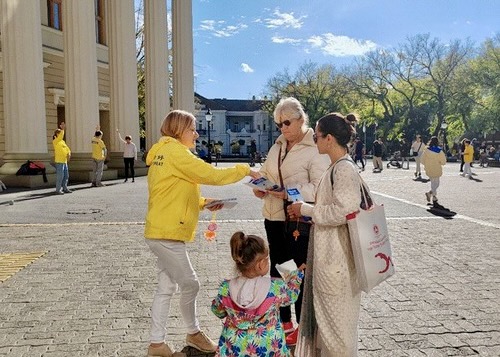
{"x":193,"y":352}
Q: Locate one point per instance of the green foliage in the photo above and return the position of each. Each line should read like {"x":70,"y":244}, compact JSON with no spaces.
{"x":412,"y":89}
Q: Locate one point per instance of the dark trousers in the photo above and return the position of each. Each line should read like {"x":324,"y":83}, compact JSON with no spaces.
{"x":283,"y":247}
{"x":359,"y":158}
{"x":129,"y":164}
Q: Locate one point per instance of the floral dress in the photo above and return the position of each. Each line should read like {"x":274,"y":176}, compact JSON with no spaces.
{"x":255,"y":332}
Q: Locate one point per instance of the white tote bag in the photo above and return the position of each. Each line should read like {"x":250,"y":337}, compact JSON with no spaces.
{"x":370,"y":243}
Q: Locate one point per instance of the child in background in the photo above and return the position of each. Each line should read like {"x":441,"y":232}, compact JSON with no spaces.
{"x":468,"y":157}
{"x":250,"y":302}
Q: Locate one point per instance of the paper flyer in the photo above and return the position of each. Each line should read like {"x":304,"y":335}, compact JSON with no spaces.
{"x":226,"y":202}
{"x":263,"y":184}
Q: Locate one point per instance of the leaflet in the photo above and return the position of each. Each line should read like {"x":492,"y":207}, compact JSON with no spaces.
{"x":263,"y":184}
{"x":226,"y":202}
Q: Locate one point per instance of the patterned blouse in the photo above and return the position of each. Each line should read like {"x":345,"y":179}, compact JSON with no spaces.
{"x":256,"y":332}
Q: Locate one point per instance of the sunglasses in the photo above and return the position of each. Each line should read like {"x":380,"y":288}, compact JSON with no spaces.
{"x":315,"y":138}
{"x":286,"y":122}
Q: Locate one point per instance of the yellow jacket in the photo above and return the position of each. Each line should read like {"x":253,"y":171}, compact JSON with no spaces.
{"x":468,"y":153}
{"x":174,"y":176}
{"x":433,"y":159}
{"x":98,"y":149}
{"x":61,"y":150}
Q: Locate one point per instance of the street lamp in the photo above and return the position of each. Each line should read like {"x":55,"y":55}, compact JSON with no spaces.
{"x":444,"y":125}
{"x":208,"y":117}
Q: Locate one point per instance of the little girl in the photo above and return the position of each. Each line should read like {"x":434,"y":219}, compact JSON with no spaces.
{"x":250,"y":302}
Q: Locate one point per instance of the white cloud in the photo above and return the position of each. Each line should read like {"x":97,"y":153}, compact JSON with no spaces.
{"x":278,"y":39}
{"x":246,"y":68}
{"x":219,"y":29}
{"x":341,"y":46}
{"x":285,"y":20}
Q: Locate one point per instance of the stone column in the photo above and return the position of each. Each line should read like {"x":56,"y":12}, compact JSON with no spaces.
{"x":182,"y":47}
{"x":156,"y":67}
{"x":80,"y":80}
{"x":124,"y":108}
{"x":26,"y":134}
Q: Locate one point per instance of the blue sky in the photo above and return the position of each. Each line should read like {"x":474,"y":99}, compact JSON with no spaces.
{"x":240,"y":44}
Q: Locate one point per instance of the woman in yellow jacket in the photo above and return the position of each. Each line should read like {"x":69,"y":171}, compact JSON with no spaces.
{"x":62,"y":153}
{"x":174,"y":176}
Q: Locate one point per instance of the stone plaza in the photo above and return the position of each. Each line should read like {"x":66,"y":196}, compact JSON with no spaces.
{"x":77,"y":279}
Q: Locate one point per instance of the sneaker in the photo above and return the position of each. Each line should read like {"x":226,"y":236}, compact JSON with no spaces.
{"x":201,"y":342}
{"x":59,"y":193}
{"x":133,"y":180}
{"x":291,"y":339}
{"x":288,"y":327}
{"x":93,"y":184}
{"x":100,"y":184}
{"x":462,"y":174}
{"x":125,"y":180}
{"x":68,"y":191}
{"x":162,"y":351}
{"x":428,"y":196}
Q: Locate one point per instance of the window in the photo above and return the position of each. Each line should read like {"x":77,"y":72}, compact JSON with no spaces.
{"x":99,"y":22}
{"x":55,"y":14}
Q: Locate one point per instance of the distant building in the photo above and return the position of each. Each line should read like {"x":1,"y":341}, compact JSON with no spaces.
{"x":75,"y":61}
{"x":236,"y":120}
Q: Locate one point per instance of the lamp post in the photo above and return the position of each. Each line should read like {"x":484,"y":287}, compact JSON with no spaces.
{"x":208,"y":117}
{"x":444,"y":125}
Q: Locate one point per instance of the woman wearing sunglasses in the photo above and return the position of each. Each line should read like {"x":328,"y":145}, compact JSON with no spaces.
{"x":292,"y":162}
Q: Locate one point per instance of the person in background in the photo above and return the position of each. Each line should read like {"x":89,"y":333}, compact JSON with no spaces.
{"x":359,"y":152}
{"x":333,"y":298}
{"x":174,"y":203}
{"x":462,"y":149}
{"x":468,"y":158}
{"x":405,"y":152}
{"x":129,"y":155}
{"x":250,"y":302}
{"x":292,"y":162}
{"x":377,"y":152}
{"x":99,"y":153}
{"x":417,"y":148}
{"x":433,"y":160}
{"x":62,"y":154}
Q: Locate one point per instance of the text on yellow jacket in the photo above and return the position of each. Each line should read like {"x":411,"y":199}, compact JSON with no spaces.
{"x":174,"y":176}
{"x":98,"y":149}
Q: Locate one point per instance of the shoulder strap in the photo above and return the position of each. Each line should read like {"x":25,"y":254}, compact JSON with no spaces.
{"x":366,"y":199}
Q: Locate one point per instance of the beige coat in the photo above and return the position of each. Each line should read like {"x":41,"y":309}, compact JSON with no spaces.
{"x":301,"y":168}
{"x":336,"y":293}
{"x":433,"y":162}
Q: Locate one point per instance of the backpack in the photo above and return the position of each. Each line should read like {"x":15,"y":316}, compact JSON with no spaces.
{"x":32,"y":168}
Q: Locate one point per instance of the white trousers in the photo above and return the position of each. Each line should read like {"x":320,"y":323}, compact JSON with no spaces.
{"x":467,"y":169}
{"x":434,"y":187}
{"x":174,"y":269}
{"x":417,"y":169}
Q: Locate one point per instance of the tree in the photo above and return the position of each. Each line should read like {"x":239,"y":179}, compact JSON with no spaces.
{"x":312,"y":85}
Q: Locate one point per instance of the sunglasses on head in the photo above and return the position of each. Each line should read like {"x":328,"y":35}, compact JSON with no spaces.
{"x":286,"y":122}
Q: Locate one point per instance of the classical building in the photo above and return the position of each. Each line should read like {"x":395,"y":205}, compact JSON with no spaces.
{"x":74,"y":61}
{"x":235,"y":123}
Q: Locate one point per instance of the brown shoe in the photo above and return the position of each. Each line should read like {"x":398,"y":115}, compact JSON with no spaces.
{"x":201,"y":342}
{"x":161,"y":351}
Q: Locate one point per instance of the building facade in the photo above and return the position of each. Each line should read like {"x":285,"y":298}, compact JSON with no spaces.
{"x":75,"y":61}
{"x":235,"y":123}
